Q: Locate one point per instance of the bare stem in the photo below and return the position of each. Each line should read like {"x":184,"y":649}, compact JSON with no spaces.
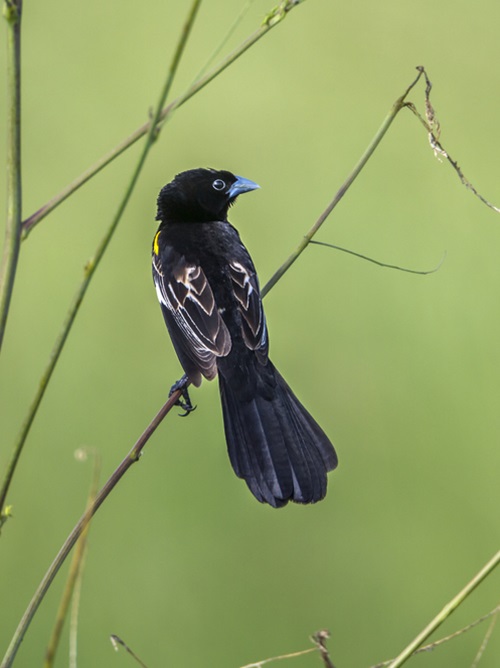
{"x":485,"y":642}
{"x":275,"y":17}
{"x":74,"y":574}
{"x":420,"y":272}
{"x":12,"y":10}
{"x":117,"y":642}
{"x":446,"y":611}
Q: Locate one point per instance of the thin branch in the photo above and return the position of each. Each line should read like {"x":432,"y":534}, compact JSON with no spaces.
{"x":485,"y":642}
{"x":93,"y":263}
{"x":433,"y":128}
{"x":225,"y":39}
{"x":74,"y":574}
{"x":446,"y":611}
{"x":421,"y":272}
{"x":272,"y":20}
{"x":292,"y":655}
{"x":396,"y":108}
{"x":318,"y":639}
{"x":117,"y":642}
{"x":74,"y":615}
{"x":77,"y":589}
{"x":12,"y":10}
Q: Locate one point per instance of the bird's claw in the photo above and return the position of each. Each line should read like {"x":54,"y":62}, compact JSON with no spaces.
{"x":184,"y":401}
{"x":185,"y":404}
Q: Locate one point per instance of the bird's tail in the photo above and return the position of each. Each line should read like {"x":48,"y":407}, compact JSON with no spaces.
{"x":275,"y":445}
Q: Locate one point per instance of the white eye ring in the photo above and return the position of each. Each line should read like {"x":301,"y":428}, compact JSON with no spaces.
{"x":218,"y":184}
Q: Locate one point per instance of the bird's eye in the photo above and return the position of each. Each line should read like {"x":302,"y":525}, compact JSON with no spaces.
{"x":218,"y":184}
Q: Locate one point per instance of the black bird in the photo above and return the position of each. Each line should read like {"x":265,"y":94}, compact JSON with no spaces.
{"x":209,"y":294}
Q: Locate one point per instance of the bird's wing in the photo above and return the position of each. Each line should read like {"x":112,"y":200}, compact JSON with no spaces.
{"x":197,"y":330}
{"x":247,"y":293}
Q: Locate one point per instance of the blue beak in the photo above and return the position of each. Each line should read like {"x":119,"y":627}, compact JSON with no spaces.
{"x":240,"y":186}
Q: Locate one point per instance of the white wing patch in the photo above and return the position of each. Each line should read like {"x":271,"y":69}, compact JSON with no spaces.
{"x":246,"y":291}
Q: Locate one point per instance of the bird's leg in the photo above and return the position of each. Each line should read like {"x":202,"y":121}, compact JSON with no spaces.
{"x":184,"y":400}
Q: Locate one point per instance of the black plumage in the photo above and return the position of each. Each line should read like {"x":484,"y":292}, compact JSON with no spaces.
{"x":209,"y":294}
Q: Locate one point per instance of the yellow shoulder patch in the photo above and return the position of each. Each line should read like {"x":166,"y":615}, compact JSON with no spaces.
{"x":156,"y":248}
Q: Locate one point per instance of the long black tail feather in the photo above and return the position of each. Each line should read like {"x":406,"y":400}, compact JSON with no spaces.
{"x":274,"y":444}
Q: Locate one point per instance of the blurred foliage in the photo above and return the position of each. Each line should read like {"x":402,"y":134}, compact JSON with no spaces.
{"x":401,"y":371}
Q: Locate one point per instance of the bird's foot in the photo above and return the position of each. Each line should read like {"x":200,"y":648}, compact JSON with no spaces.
{"x":184,"y":400}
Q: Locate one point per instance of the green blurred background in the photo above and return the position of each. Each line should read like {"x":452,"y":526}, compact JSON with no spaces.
{"x":402,"y":371}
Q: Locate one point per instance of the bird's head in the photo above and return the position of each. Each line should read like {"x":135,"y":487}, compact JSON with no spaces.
{"x":201,"y":195}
